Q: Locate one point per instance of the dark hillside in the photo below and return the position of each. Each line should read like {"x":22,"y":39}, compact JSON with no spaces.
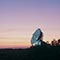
{"x":33,"y":53}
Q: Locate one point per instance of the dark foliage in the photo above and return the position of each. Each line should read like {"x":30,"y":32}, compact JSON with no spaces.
{"x":32,"y":53}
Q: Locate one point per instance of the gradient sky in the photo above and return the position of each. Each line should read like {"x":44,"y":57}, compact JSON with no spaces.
{"x":20,"y":18}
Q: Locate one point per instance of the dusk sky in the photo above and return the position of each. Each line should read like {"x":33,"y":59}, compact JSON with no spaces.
{"x":20,"y":18}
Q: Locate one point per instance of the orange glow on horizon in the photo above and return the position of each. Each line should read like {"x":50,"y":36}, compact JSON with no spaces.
{"x":14,"y":42}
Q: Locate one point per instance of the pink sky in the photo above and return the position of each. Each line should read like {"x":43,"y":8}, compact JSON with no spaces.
{"x":19,"y":19}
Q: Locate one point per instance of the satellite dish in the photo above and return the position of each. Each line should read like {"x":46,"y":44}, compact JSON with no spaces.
{"x":35,"y":37}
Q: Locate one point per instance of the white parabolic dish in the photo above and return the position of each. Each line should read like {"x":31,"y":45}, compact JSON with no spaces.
{"x":35,"y":36}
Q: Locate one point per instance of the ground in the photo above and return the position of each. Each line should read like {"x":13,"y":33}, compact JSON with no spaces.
{"x":32,"y":53}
